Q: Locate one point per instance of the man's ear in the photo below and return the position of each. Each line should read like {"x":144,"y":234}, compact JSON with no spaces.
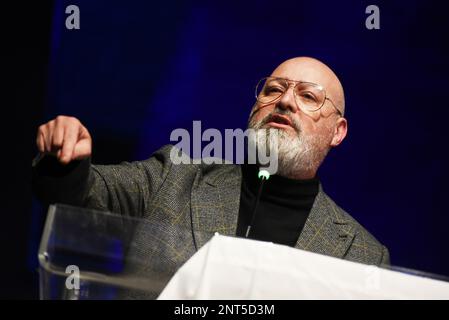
{"x":341,"y":129}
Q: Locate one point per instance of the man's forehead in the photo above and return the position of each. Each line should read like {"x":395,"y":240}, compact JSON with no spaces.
{"x":304,"y":69}
{"x":313,"y":70}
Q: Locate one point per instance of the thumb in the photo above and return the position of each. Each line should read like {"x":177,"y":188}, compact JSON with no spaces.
{"x":82,"y":150}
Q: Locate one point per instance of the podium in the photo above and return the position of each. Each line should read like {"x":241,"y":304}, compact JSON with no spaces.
{"x":89,"y":254}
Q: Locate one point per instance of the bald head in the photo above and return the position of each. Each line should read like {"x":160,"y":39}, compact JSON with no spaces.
{"x":304,"y":137}
{"x":313,"y":70}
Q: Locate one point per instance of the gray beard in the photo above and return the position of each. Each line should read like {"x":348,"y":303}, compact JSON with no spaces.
{"x":299,"y":155}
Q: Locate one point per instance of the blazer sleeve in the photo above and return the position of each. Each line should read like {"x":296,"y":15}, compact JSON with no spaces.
{"x":124,"y":188}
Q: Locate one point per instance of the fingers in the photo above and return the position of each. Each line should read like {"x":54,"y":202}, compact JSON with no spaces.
{"x":58,"y":133}
{"x":69,"y":141}
{"x":40,"y":142}
{"x":61,"y":136}
{"x":45,"y":132}
{"x":83,"y":147}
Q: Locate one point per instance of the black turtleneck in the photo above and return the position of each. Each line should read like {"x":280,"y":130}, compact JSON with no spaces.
{"x":283,"y":209}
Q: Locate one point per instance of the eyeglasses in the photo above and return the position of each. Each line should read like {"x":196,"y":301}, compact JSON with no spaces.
{"x":308,"y":96}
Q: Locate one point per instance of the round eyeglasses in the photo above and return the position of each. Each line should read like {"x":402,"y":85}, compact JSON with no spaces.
{"x":308,"y":96}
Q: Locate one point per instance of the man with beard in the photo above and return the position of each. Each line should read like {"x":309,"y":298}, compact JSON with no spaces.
{"x":302,"y":99}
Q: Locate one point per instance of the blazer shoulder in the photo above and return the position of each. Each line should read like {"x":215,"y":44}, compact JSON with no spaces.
{"x":212,"y":170}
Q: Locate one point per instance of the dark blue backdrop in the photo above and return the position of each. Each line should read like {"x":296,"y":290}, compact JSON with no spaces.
{"x":138,"y":69}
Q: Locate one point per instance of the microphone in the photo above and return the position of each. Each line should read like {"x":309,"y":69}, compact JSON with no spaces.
{"x":263,"y":175}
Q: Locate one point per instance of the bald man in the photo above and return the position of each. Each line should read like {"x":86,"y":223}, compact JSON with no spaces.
{"x":303,"y":100}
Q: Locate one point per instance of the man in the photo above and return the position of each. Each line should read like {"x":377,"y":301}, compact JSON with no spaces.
{"x":303,"y":99}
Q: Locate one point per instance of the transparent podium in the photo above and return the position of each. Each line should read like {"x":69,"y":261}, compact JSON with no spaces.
{"x":88,"y":254}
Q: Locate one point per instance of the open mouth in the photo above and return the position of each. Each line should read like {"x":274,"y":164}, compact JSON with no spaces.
{"x":278,"y":120}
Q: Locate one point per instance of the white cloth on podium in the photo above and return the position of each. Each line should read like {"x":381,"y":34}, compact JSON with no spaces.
{"x":236,"y":268}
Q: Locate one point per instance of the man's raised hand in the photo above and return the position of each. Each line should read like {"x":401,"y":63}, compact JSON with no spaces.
{"x":65,"y":138}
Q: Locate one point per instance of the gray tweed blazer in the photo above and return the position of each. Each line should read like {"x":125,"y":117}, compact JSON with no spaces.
{"x":201,"y":200}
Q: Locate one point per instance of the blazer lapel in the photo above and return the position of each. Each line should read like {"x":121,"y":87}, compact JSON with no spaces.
{"x":215,"y":201}
{"x":326,"y":230}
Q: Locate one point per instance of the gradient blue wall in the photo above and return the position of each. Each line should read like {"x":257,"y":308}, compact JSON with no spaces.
{"x":138,"y":69}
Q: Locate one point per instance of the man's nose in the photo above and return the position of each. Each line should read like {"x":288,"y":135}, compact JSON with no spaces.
{"x":287,"y":101}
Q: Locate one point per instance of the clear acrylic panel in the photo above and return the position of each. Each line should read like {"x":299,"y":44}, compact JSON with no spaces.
{"x":112,"y":256}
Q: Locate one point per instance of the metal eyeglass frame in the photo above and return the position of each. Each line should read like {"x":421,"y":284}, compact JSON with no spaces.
{"x":294,"y":92}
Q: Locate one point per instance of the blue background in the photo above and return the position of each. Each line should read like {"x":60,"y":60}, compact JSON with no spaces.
{"x":136,"y":70}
